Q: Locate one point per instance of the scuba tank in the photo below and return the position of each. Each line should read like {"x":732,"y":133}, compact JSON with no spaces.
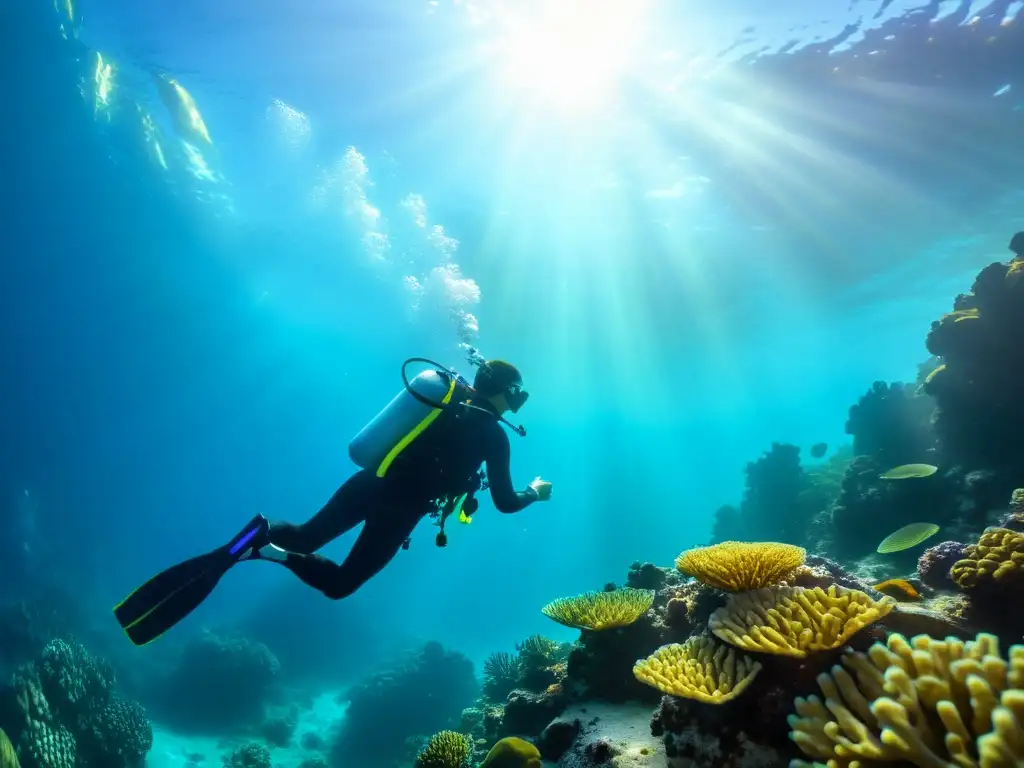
{"x":410,"y":412}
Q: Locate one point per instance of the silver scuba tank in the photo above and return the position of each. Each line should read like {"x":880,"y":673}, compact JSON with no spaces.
{"x":400,"y":417}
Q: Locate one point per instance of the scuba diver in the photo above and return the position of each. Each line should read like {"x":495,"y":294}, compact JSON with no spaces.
{"x":421,"y":455}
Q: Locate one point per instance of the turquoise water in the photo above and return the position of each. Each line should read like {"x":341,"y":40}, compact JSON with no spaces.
{"x":696,"y":228}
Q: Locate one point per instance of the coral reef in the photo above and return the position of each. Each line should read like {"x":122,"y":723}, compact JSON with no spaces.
{"x":446,"y":749}
{"x":795,"y":621}
{"x":980,"y":413}
{"x":501,"y":676}
{"x":736,"y":566}
{"x":220,"y":684}
{"x":512,"y":752}
{"x":891,"y":423}
{"x":421,"y":694}
{"x":926,"y":702}
{"x":64,"y":710}
{"x":934,"y":565}
{"x":248,"y":756}
{"x":775,"y":505}
{"x":600,"y":610}
{"x":996,"y":562}
{"x":698,"y":669}
{"x":541,"y":663}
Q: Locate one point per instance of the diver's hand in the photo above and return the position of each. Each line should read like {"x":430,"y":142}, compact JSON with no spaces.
{"x":542,"y":489}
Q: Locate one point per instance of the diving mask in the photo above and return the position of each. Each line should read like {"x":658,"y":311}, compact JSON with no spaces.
{"x":516,"y":397}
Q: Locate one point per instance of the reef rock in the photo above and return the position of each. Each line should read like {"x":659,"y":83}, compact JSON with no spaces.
{"x":614,"y":736}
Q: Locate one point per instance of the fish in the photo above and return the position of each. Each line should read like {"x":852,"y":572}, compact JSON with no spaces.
{"x":8,"y":755}
{"x":818,"y":450}
{"x":908,"y":471}
{"x":901,"y":589}
{"x":906,"y":537}
{"x":188,"y":122}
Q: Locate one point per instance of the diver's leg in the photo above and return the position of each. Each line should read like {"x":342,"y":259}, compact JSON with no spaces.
{"x":344,"y":511}
{"x":379,"y":541}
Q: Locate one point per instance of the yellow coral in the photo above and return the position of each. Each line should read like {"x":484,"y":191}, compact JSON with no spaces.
{"x":930,"y":703}
{"x":795,"y":621}
{"x":997,"y":559}
{"x":8,"y":757}
{"x":600,"y":610}
{"x":698,"y":669}
{"x":736,"y":566}
{"x":512,"y":752}
{"x":446,"y":749}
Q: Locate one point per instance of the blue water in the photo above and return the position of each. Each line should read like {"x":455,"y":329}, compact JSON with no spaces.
{"x":759,"y":216}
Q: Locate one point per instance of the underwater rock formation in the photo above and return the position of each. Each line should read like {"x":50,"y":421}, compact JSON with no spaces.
{"x":63,"y":710}
{"x":219,"y":684}
{"x":934,"y":564}
{"x":774,"y":505}
{"x":420,"y":695}
{"x":891,"y":423}
{"x":980,"y":415}
{"x":248,"y":756}
{"x":870,"y":508}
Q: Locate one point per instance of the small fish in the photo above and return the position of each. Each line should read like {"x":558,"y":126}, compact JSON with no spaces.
{"x":818,"y":450}
{"x":901,"y":589}
{"x":908,"y":471}
{"x":906,"y":537}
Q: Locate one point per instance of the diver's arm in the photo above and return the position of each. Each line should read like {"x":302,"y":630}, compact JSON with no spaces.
{"x":506,"y":498}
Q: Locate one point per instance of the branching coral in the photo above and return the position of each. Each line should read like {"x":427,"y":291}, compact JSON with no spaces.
{"x":796,"y":621}
{"x":501,"y":674}
{"x":996,"y":560}
{"x":600,"y":610}
{"x":446,"y":749}
{"x":698,"y":669}
{"x":737,"y":566}
{"x":928,"y":702}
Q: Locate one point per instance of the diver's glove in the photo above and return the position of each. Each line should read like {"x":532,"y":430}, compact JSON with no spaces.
{"x":539,"y":490}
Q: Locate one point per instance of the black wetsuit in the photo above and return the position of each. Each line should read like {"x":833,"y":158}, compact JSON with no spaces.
{"x":442,"y":462}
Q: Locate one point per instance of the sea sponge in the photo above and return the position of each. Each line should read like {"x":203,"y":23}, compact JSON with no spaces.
{"x":512,"y":752}
{"x":600,"y":610}
{"x":796,"y":621}
{"x":699,"y":669}
{"x":927,"y":702}
{"x":996,"y":560}
{"x":446,"y":749}
{"x":736,"y":566}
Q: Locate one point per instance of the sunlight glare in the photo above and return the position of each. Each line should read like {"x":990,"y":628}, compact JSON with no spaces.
{"x":571,"y":54}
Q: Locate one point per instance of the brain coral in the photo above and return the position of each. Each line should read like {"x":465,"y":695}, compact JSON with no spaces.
{"x":928,"y":702}
{"x":996,"y":560}
{"x":736,"y":566}
{"x":795,"y":621}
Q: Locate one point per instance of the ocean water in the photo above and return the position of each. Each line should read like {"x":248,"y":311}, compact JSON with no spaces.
{"x":697,"y":228}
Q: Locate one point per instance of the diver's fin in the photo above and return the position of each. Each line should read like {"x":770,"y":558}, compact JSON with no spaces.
{"x":172,"y":595}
